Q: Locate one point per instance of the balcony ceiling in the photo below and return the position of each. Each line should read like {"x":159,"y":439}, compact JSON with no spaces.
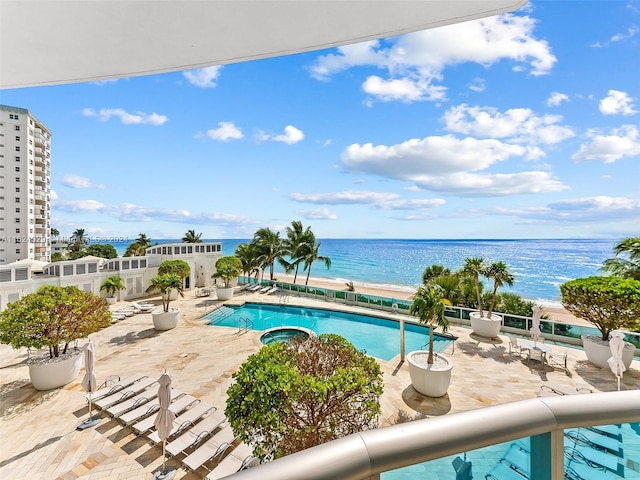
{"x":45,"y":42}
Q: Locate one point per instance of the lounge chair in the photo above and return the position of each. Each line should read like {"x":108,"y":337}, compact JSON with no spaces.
{"x":594,"y":440}
{"x":517,"y":459}
{"x":143,"y":307}
{"x":254,"y":287}
{"x":121,"y":395}
{"x":264,"y":289}
{"x":272,"y":290}
{"x":212,"y":448}
{"x":557,"y":359}
{"x":581,"y":471}
{"x":185,"y":420}
{"x":612,"y":431}
{"x":502,"y":471}
{"x":559,"y":389}
{"x":177,"y":407}
{"x":116,"y":386}
{"x":514,"y":346}
{"x":592,"y":457}
{"x":132,"y":402}
{"x":239,"y":459}
{"x":196,"y":434}
{"x":126,"y":313}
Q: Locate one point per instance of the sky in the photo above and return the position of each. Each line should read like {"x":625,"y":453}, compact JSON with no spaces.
{"x":523,"y":125}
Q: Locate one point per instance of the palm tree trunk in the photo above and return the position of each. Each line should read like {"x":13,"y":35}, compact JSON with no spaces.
{"x":430,"y":357}
{"x":479,"y":298}
{"x":308,"y":273}
{"x":493,"y":301}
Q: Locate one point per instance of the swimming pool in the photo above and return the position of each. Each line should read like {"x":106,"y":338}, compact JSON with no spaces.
{"x":379,"y":337}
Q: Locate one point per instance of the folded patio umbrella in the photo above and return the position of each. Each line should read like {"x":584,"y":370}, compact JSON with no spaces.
{"x":89,"y":382}
{"x":616,"y":344}
{"x":164,"y":422}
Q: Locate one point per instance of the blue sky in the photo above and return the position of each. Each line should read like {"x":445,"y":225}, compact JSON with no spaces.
{"x":524,"y":125}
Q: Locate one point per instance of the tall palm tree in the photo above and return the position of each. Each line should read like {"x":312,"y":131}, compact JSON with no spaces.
{"x":143,"y":241}
{"x":474,"y":268}
{"x":295,"y":244}
{"x":499,"y":273}
{"x":428,"y":304}
{"x":78,"y":240}
{"x":311,"y":254}
{"x":192,"y":237}
{"x":269,"y":247}
{"x":625,"y":267}
{"x":55,"y":232}
{"x":138,"y":247}
{"x":248,"y":256}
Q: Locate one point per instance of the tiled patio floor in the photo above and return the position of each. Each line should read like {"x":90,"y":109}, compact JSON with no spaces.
{"x":38,"y":429}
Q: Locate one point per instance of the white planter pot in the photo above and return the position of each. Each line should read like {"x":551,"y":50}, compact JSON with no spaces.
{"x":111,"y":300}
{"x":165,"y":320}
{"x":56,"y":374}
{"x":224,"y":293}
{"x":598,"y":351}
{"x":485,"y":327}
{"x":430,"y":380}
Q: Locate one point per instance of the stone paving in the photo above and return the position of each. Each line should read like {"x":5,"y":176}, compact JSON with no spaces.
{"x":38,"y":429}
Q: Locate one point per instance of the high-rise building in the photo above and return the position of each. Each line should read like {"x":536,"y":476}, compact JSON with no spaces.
{"x":25,"y":186}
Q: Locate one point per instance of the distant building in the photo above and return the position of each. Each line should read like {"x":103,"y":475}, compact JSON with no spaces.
{"x":25,"y":188}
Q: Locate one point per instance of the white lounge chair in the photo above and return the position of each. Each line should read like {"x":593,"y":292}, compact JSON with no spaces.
{"x":132,"y":402}
{"x":195,"y":435}
{"x":185,"y":420}
{"x":272,"y":290}
{"x":116,"y":386}
{"x":177,"y":407}
{"x":143,"y":307}
{"x":125,"y":393}
{"x":557,"y":358}
{"x":239,"y":458}
{"x":211,"y":449}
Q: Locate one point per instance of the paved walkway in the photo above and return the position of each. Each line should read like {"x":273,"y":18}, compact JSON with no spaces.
{"x":38,"y":429}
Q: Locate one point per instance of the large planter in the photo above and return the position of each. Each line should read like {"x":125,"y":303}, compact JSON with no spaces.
{"x":598,"y":351}
{"x":165,"y":320}
{"x":430,"y":380}
{"x":224,"y":293}
{"x":111,"y":300}
{"x":57,"y":373}
{"x":487,"y":327}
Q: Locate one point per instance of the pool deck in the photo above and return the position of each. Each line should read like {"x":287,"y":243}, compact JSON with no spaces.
{"x":38,"y":429}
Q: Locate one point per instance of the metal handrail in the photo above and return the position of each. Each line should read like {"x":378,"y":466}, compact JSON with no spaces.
{"x":366,"y":454}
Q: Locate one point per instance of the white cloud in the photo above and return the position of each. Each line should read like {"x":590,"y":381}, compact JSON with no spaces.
{"x":291,"y":135}
{"x":76,"y":181}
{"x":414,"y":204}
{"x":518,"y":124}
{"x":203,"y":77}
{"x":138,"y":118}
{"x":617,"y":103}
{"x":478,"y":85}
{"x":622,"y":142}
{"x":556,"y":98}
{"x":415,"y":60}
{"x":318,"y":214}
{"x":226,"y":131}
{"x":380,"y":200}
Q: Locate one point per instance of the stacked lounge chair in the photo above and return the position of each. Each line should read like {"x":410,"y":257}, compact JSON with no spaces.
{"x":182,"y":405}
{"x":185,"y":420}
{"x":212,"y":449}
{"x":124,"y":393}
{"x":112,"y":385}
{"x":238,"y":459}
{"x":195,"y":435}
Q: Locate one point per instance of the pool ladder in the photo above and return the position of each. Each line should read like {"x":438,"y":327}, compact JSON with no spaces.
{"x":244,"y":324}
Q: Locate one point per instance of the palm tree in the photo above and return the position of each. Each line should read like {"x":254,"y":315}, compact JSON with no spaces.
{"x":55,"y":232}
{"x":112,"y":285}
{"x":138,"y":247}
{"x":474,"y":268}
{"x":428,"y":305}
{"x":499,"y":273}
{"x":248,"y":256}
{"x":269,"y":247}
{"x":295,"y":245}
{"x":192,"y":237}
{"x":625,"y":267}
{"x":311,"y":254}
{"x":78,"y":240}
{"x":434,"y":271}
{"x":165,"y":284}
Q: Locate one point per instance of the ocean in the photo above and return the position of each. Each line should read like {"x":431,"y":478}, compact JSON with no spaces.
{"x":539,"y":266}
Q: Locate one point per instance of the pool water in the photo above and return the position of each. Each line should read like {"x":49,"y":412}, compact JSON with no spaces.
{"x":377,"y":336}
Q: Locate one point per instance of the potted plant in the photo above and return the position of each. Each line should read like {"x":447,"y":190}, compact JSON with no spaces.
{"x":112,"y":285}
{"x":167,"y":283}
{"x":53,"y":317}
{"x":430,"y":372}
{"x":227,"y":268}
{"x":609,"y":303}
{"x":179,"y":267}
{"x":488,"y":325}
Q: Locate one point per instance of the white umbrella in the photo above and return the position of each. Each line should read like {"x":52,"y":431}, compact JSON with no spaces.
{"x":89,"y":382}
{"x":164,"y":420}
{"x":616,"y":344}
{"x":535,"y":326}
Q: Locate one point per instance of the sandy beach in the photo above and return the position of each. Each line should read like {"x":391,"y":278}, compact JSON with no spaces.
{"x":555,"y":312}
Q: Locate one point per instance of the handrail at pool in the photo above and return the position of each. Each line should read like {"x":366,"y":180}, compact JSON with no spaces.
{"x":366,"y":454}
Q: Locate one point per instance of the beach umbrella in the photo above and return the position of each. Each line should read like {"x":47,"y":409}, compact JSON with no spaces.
{"x":535,"y":324}
{"x":164,"y":421}
{"x":616,"y":344}
{"x":89,"y":382}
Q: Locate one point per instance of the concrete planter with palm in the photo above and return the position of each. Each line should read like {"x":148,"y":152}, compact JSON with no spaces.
{"x":111,"y":286}
{"x":430,"y":372}
{"x":487,"y":324}
{"x":227,"y":268}
{"x":166,"y":318}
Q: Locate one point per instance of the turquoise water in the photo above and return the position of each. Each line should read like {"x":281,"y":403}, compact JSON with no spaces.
{"x":379,"y":337}
{"x":539,"y":266}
